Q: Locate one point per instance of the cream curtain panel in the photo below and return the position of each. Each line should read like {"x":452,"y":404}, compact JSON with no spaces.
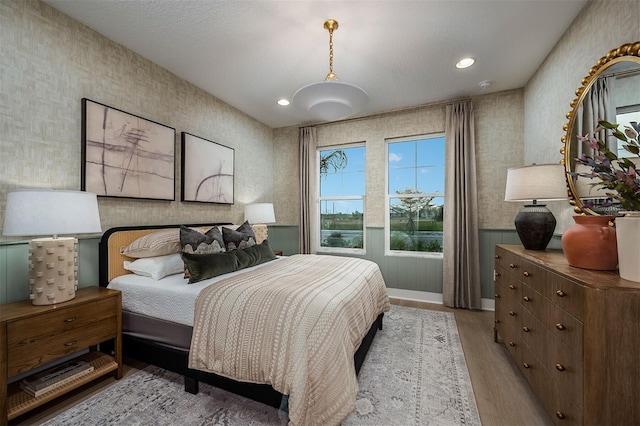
{"x":308,"y":196}
{"x":598,"y":104}
{"x":461,"y":263}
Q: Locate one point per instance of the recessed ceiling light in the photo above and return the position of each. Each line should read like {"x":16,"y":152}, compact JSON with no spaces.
{"x":465,"y":62}
{"x":283,"y":102}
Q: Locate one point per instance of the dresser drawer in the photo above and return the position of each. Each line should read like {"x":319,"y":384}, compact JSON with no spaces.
{"x":32,"y":329}
{"x":563,"y":411}
{"x":536,"y":336}
{"x":539,"y":306}
{"x":565,"y":328}
{"x":568,"y":295}
{"x":567,"y":369}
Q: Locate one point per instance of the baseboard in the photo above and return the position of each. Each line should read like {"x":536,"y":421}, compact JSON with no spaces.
{"x":428,"y":297}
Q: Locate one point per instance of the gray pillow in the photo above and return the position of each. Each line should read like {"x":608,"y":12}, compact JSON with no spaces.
{"x":241,"y":238}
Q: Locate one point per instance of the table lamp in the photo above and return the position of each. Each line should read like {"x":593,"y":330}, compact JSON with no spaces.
{"x":53,"y":266}
{"x":535,"y":223}
{"x":259,"y":215}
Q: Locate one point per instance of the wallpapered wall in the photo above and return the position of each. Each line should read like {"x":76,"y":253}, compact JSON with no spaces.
{"x":49,"y":62}
{"x":600,"y":27}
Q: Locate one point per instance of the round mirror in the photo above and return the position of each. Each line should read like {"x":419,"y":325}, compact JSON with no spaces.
{"x":610,"y":92}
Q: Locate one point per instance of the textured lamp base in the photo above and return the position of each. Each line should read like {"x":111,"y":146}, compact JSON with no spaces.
{"x":535,"y":225}
{"x":53,"y":270}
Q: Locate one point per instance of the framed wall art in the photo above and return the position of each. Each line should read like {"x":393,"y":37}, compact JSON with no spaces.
{"x":127,"y":156}
{"x":207,"y":171}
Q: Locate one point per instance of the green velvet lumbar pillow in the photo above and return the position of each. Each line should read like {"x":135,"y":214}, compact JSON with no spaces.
{"x":204,"y":266}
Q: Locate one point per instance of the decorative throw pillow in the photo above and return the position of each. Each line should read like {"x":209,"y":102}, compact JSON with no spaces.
{"x":196,"y":241}
{"x":158,"y":243}
{"x":156,"y":267}
{"x":240,"y":238}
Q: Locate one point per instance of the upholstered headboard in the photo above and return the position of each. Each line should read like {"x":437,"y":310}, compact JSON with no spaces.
{"x":111,"y":261}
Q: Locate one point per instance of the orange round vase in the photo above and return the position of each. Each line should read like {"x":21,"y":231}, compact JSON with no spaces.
{"x":591,"y":243}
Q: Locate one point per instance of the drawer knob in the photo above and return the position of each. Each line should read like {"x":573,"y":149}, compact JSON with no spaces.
{"x":560,"y":367}
{"x":72,"y":319}
{"x":497,"y":321}
{"x":526,"y":299}
{"x":525,"y":329}
{"x":497,"y":256}
{"x":71,"y":343}
{"x":512,"y":287}
{"x":497,"y":296}
{"x":560,"y":327}
{"x":513,"y":314}
{"x":560,"y":293}
{"x":512,"y":344}
{"x":560,"y":415}
{"x":511,"y":265}
{"x":526,"y":274}
{"x":526,"y":365}
{"x":498,"y":274}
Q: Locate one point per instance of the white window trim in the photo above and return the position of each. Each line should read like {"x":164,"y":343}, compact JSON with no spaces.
{"x":387,"y":199}
{"x":341,"y":250}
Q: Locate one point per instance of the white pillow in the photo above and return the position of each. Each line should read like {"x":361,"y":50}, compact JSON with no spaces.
{"x":156,"y":267}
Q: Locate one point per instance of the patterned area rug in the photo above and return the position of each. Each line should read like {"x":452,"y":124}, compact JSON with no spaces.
{"x":414,"y":374}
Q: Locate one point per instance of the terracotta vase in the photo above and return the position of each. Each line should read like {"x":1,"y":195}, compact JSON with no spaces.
{"x":591,"y":243}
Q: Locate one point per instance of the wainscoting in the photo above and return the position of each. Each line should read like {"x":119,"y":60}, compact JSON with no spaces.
{"x":410,"y":276}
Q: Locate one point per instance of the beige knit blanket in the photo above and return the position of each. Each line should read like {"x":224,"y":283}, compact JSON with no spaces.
{"x":295,"y":324}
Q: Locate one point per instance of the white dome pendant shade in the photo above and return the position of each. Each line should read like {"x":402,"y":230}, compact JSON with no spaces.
{"x":331,"y":100}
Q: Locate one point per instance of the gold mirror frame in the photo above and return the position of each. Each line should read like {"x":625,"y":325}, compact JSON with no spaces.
{"x":626,"y":52}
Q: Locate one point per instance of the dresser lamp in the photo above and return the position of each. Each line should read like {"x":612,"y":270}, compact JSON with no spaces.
{"x":535,"y":223}
{"x":259,"y":215}
{"x":53,"y":265}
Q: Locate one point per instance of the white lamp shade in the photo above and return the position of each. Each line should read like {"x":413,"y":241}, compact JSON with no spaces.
{"x":31,"y":212}
{"x":536,"y":182}
{"x":331,"y":100}
{"x":259,"y":213}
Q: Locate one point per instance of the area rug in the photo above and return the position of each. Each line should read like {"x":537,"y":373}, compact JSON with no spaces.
{"x":414,"y":374}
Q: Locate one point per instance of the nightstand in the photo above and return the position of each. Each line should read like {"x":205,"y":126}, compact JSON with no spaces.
{"x":277,"y":252}
{"x":36,"y":335}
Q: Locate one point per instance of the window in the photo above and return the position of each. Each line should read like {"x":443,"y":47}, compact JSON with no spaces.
{"x":342,"y":190}
{"x":624,"y":117}
{"x":415,"y":195}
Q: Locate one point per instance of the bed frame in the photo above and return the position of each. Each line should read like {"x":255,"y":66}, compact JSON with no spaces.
{"x":175,"y":359}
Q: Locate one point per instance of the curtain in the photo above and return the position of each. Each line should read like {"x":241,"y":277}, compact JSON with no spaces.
{"x":461,"y":263}
{"x":308,"y":196}
{"x":598,"y":104}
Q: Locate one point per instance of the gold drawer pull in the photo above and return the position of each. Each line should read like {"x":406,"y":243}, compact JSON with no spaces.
{"x":560,"y":415}
{"x":525,"y":365}
{"x":71,"y":343}
{"x":512,"y":344}
{"x":525,"y":329}
{"x":526,"y":299}
{"x":512,"y":287}
{"x":511,"y":265}
{"x":560,"y":293}
{"x":498,"y":274}
{"x":526,"y":274}
{"x":497,"y":321}
{"x":72,"y":319}
{"x":513,"y":314}
{"x":560,"y":367}
{"x":560,"y":327}
{"x":498,"y":256}
{"x":497,"y":296}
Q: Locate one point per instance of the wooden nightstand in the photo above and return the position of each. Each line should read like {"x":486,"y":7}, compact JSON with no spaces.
{"x":277,"y":252}
{"x":31,"y":336}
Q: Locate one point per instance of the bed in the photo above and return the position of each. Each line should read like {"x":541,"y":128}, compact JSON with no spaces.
{"x":318,"y":388}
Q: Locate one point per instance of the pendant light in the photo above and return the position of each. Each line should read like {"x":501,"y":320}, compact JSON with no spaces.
{"x":331,"y":99}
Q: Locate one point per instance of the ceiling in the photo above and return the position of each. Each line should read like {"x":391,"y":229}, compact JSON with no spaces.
{"x":249,"y":53}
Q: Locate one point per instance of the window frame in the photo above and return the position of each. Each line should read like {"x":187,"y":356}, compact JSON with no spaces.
{"x":342,"y":250}
{"x":389,"y":197}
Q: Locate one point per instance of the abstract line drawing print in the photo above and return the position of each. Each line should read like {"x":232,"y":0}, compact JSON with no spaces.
{"x":125,"y":155}
{"x":207,"y":171}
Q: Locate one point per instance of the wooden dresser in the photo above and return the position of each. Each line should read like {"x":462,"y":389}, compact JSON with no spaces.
{"x":574,"y":333}
{"x":31,"y":336}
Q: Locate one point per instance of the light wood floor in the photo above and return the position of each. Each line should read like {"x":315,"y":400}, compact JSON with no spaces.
{"x":502,"y":395}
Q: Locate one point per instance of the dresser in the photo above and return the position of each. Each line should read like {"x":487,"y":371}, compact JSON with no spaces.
{"x":31,"y":336}
{"x":574,"y":334}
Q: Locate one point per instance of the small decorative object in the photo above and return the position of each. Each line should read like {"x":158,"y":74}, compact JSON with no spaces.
{"x":535,"y":223}
{"x":620,"y":177}
{"x":628,"y":228}
{"x":207,"y":171}
{"x":53,"y":269}
{"x":591,"y":243}
{"x":259,"y":215}
{"x":127,"y":156}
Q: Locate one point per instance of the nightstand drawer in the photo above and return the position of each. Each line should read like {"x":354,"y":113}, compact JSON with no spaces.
{"x":32,"y":329}
{"x":23,"y":358}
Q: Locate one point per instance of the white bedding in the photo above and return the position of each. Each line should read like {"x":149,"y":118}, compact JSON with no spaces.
{"x":170,"y":298}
